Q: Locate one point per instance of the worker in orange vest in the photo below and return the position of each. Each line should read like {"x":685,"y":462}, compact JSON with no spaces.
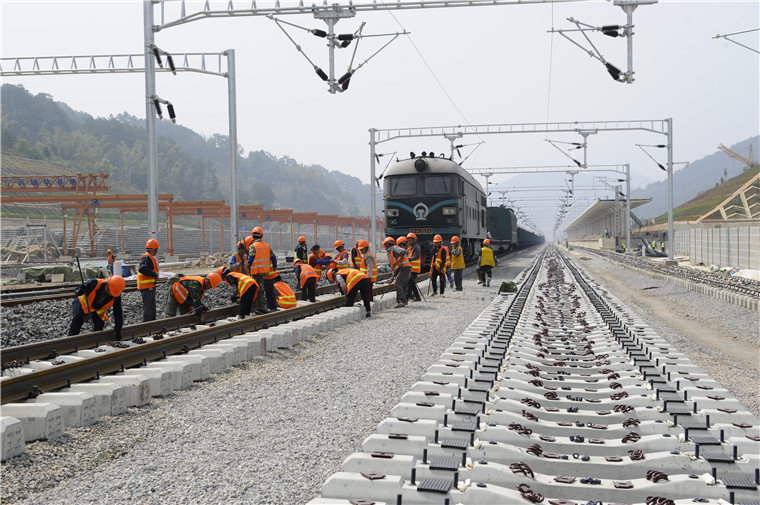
{"x":318,"y":260}
{"x":186,"y":294}
{"x":147,"y":273}
{"x":261,"y":261}
{"x":368,"y":265}
{"x":356,"y":257}
{"x":342,"y":258}
{"x":402,"y":269}
{"x":111,"y":259}
{"x":95,"y":297}
{"x":350,"y":282}
{"x":239,"y":260}
{"x":438,"y":264}
{"x":307,"y":279}
{"x":415,"y":258}
{"x":246,"y":289}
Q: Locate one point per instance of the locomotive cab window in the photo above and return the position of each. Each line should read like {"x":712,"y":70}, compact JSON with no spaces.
{"x":438,"y":185}
{"x":401,"y":186}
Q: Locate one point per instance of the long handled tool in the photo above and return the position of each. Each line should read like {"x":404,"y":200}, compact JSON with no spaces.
{"x":418,"y":288}
{"x":390,"y":281}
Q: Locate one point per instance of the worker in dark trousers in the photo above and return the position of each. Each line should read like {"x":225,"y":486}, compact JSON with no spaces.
{"x":438,"y":265}
{"x":111,"y":259}
{"x":94,"y":297}
{"x":302,"y":251}
{"x":186,"y":294}
{"x":415,"y":258}
{"x":487,"y":262}
{"x":402,"y":270}
{"x":147,"y":273}
{"x":261,"y":261}
{"x":246,"y":289}
{"x":350,"y":282}
{"x":307,"y":279}
{"x":368,"y":265}
{"x":457,"y":261}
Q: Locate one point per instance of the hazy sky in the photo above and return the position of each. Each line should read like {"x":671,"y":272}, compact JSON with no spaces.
{"x":480,"y":65}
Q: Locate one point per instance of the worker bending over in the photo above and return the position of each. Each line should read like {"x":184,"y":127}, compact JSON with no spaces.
{"x":351,"y":282}
{"x":94,"y":297}
{"x":246,"y":289}
{"x":186,"y":294}
{"x":402,"y":269}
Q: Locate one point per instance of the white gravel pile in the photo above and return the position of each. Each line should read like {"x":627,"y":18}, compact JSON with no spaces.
{"x":268,"y":432}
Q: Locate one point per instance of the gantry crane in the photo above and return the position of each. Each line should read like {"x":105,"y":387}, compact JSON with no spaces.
{"x":749,"y":162}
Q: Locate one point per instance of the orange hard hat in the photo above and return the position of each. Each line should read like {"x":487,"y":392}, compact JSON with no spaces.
{"x":362,"y":244}
{"x":116,"y":285}
{"x":338,"y":243}
{"x":108,"y":251}
{"x":454,"y":239}
{"x":437,"y":238}
{"x":248,"y":241}
{"x":297,"y":261}
{"x":302,"y":239}
{"x":401,"y":240}
{"x":151,"y":244}
{"x":214,"y":278}
{"x":487,"y":242}
{"x":388,"y":242}
{"x":411,"y":235}
{"x":331,"y":274}
{"x":223,"y":271}
{"x":257,"y":231}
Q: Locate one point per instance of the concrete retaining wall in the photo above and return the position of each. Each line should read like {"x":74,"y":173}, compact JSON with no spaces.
{"x":726,"y":247}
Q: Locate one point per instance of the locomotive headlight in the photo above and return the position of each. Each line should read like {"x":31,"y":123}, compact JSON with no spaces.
{"x":391,"y":212}
{"x":449,"y":211}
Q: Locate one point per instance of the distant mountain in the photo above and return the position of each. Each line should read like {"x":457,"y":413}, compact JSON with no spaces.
{"x":191,"y":167}
{"x":692,"y":179}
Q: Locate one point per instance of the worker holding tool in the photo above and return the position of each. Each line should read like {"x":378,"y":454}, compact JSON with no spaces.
{"x":186,"y":294}
{"x":94,"y":297}
{"x":438,"y":264}
{"x":246,"y":289}
{"x":402,"y":269}
{"x":350,"y":282}
{"x":367,"y":265}
{"x":415,"y":258}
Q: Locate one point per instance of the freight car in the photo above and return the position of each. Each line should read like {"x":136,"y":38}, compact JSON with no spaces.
{"x":506,"y":234}
{"x":428,"y":196}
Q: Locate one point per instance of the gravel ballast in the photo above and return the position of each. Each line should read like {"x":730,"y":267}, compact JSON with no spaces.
{"x":273,"y":430}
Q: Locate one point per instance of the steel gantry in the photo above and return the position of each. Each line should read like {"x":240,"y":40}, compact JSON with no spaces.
{"x":662,"y":127}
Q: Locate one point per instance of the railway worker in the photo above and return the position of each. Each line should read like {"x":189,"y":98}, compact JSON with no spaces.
{"x":356,"y":257}
{"x":438,"y":264}
{"x":415,"y":258}
{"x":307,"y":279}
{"x":270,"y":280}
{"x":302,"y":252}
{"x":457,"y":261}
{"x":261,"y":261}
{"x":147,"y":273}
{"x":402,"y":269}
{"x":449,"y":275}
{"x":239,"y":260}
{"x":368,"y":265}
{"x":343,"y":257}
{"x":95,"y":297}
{"x":246,"y":289}
{"x":186,"y":294}
{"x":111,"y":259}
{"x":350,"y":282}
{"x":317,"y":260}
{"x":487,"y":262}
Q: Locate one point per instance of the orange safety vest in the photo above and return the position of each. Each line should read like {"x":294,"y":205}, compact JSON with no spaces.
{"x":438,"y":263}
{"x":112,"y":258}
{"x":262,"y":262}
{"x":343,"y":260}
{"x":307,"y":272}
{"x":285,"y":296}
{"x":352,"y":277}
{"x":363,"y":267}
{"x":181,"y":292}
{"x":448,"y":258}
{"x":245,"y":282}
{"x":242,"y":260}
{"x":271,"y":275}
{"x":88,"y":300}
{"x":400,"y":262}
{"x":144,"y":281}
{"x":416,"y":264}
{"x":317,"y":267}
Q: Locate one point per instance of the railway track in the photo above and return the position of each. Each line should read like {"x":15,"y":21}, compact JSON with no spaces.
{"x":695,"y":279}
{"x":558,"y":394}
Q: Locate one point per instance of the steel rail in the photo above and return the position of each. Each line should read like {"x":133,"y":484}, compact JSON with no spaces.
{"x":60,"y":376}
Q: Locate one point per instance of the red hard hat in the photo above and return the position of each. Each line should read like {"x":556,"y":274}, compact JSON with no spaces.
{"x":411,"y":235}
{"x":388,"y":241}
{"x":116,"y":285}
{"x":257,"y":231}
{"x":454,"y":239}
{"x":214,"y":278}
{"x":437,"y":238}
{"x":487,"y":242}
{"x":151,"y":244}
{"x":338,"y":243}
{"x":302,"y":239}
{"x":362,"y":244}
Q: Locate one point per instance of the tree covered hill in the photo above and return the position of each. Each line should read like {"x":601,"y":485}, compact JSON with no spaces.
{"x":191,"y":166}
